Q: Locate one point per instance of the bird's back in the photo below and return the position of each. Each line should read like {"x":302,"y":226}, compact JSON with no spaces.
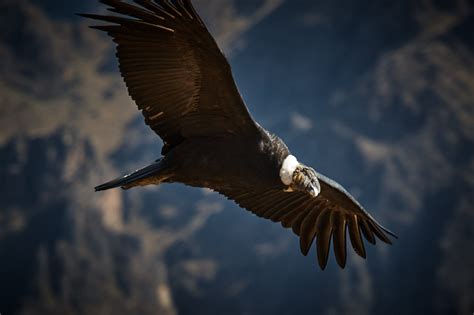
{"x":230,"y":161}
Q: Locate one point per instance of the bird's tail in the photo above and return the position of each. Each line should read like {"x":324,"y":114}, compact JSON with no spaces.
{"x":136,"y":178}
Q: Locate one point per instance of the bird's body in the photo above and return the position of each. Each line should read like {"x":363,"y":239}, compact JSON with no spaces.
{"x":222,"y":163}
{"x":231,"y":161}
{"x":183,"y":84}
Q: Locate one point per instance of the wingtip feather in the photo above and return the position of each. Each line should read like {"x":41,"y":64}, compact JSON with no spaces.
{"x":323,"y":238}
{"x":339,"y":238}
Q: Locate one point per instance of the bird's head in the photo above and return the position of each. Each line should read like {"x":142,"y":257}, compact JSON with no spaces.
{"x":299,"y":177}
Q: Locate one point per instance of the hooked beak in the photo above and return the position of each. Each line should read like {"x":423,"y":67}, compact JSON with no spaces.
{"x":314,"y":189}
{"x":305,"y":179}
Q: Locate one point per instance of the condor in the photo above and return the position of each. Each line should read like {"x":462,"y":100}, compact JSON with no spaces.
{"x":183,"y":85}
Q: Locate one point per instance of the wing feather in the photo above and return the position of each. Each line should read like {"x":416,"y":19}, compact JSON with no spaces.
{"x":355,"y":237}
{"x":323,"y":239}
{"x":275,"y":209}
{"x":288,"y":219}
{"x":290,"y":205}
{"x":298,"y":221}
{"x":264,"y":208}
{"x":369,"y":235}
{"x":308,"y":230}
{"x":339,"y":237}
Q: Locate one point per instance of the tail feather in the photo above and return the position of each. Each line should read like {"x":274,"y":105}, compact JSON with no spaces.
{"x":131,"y":178}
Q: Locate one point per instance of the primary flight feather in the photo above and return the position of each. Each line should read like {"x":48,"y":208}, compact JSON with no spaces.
{"x":183,"y":84}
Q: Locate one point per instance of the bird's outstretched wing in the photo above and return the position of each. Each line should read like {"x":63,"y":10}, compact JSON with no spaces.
{"x":175,"y":71}
{"x":327,"y":216}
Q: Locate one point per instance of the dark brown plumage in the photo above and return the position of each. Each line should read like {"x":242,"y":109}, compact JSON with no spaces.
{"x":175,"y":71}
{"x":183,"y":85}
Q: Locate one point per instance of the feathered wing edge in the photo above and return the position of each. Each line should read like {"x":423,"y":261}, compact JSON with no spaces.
{"x":335,"y":185}
{"x":154,"y":12}
{"x":321,"y":219}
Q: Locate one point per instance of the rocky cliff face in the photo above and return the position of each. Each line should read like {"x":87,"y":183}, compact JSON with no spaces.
{"x":378,"y":97}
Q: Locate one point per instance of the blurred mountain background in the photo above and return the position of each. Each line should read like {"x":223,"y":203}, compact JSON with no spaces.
{"x":379,"y":95}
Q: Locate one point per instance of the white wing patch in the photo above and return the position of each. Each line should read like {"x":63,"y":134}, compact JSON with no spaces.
{"x":287,"y":169}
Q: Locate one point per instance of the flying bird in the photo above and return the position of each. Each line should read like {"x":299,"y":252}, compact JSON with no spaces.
{"x":183,"y":85}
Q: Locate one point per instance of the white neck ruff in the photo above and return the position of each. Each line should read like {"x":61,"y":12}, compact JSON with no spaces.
{"x":287,"y":169}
